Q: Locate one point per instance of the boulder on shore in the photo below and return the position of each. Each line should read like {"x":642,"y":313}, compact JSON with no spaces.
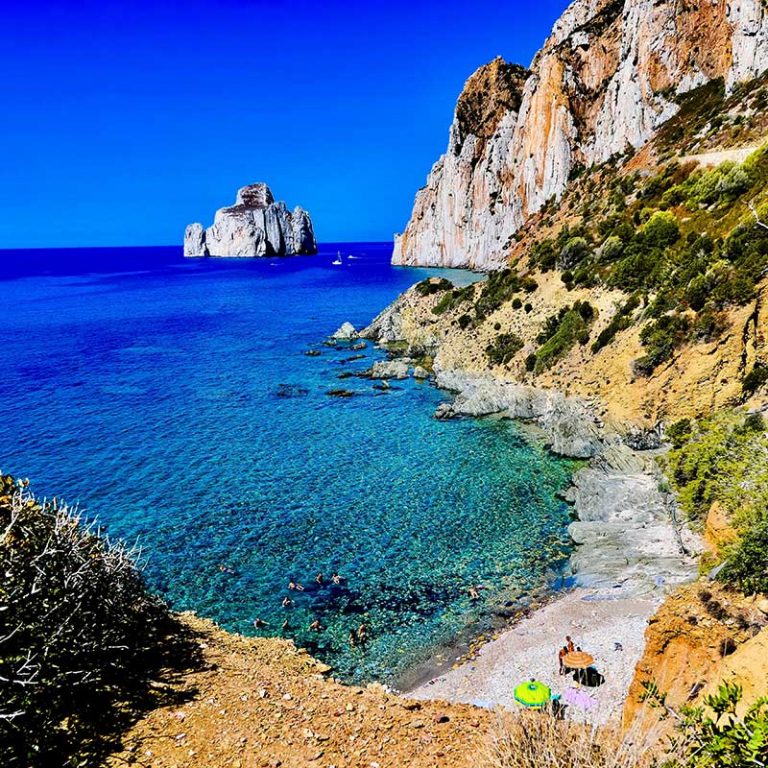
{"x":254,"y":226}
{"x":346,"y":332}
{"x":389,"y":369}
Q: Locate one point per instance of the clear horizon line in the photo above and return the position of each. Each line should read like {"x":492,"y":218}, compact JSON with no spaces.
{"x":172,"y":245}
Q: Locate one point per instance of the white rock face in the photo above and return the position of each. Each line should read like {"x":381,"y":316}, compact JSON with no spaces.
{"x":346,"y":332}
{"x":254,"y":226}
{"x":602,"y":83}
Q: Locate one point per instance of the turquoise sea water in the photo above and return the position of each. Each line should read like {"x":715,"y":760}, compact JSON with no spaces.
{"x":173,"y":399}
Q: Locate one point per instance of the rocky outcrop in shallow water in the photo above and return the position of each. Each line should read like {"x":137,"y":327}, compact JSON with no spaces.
{"x":627,"y":537}
{"x":570,"y":428}
{"x":255,"y":225}
{"x":603,"y":82}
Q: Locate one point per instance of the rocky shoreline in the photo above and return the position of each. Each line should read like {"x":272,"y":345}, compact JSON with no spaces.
{"x":630,"y":550}
{"x":629,"y":554}
{"x":626,"y":534}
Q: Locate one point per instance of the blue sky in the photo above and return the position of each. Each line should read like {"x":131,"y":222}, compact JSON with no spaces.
{"x":125,"y":121}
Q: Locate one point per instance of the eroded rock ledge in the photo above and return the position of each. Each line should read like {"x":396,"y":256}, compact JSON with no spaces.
{"x":254,"y":226}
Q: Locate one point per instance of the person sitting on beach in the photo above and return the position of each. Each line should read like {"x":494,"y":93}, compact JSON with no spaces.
{"x":287,"y":602}
{"x":473,"y":593}
{"x":320,"y":578}
{"x":315,"y":626}
{"x":259,"y":623}
{"x":569,"y":644}
{"x":561,"y":654}
{"x":295,"y":585}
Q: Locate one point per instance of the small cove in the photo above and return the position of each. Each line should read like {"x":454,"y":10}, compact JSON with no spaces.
{"x":174,"y":400}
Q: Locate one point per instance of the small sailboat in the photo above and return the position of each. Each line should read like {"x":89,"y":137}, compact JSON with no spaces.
{"x":337,"y":261}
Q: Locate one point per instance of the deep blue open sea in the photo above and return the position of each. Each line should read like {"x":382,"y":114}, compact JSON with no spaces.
{"x":174,"y":400}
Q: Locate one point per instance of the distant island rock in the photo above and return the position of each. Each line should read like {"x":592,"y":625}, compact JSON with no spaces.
{"x":254,"y":226}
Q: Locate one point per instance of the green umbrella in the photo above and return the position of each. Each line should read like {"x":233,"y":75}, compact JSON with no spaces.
{"x":532,"y":694}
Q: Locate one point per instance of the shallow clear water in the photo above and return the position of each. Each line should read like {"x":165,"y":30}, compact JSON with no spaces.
{"x":173,"y":399}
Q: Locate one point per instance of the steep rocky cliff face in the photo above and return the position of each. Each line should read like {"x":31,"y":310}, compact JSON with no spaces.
{"x":254,"y":226}
{"x":605,"y":80}
{"x":703,"y":635}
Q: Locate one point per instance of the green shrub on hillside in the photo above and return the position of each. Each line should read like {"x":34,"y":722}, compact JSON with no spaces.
{"x":499,"y":288}
{"x":453,"y":299}
{"x":661,"y":337}
{"x":504,"y":348}
{"x":561,"y":331}
{"x":718,"y":186}
{"x":721,"y":458}
{"x":679,"y":433}
{"x":574,"y":251}
{"x":724,"y":459}
{"x":715,"y":735}
{"x":431,"y":286}
{"x":706,"y":262}
{"x":747,"y":565}
{"x":755,"y":379}
{"x":661,"y":230}
{"x":611,"y":249}
{"x":619,"y":322}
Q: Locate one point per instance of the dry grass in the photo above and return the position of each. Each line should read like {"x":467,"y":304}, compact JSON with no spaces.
{"x":538,"y":740}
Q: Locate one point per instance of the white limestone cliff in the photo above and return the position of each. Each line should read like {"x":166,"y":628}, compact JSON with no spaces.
{"x":604,"y":81}
{"x":254,"y":226}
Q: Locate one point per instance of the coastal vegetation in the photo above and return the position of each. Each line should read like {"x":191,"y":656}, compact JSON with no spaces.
{"x":560,"y":332}
{"x":80,"y":636}
{"x":687,"y":243}
{"x":723,"y":460}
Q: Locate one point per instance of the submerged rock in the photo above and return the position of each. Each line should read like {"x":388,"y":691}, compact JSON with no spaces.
{"x":254,"y":226}
{"x":340,"y":393}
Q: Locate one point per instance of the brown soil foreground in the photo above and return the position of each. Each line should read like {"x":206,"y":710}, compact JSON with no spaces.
{"x":257,"y":702}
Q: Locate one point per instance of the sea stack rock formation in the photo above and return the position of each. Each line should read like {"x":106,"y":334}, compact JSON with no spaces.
{"x":605,"y":80}
{"x":254,"y":226}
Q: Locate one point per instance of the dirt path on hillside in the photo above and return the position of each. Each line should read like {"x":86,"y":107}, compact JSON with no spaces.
{"x":736,"y":155}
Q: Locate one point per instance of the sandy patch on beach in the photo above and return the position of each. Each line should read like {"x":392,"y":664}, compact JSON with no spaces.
{"x":596,"y":620}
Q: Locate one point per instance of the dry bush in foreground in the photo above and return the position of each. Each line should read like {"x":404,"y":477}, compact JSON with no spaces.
{"x":80,"y":636}
{"x":537,"y":740}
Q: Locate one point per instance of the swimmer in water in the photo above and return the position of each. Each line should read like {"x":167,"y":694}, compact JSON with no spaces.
{"x":259,"y":623}
{"x":315,"y":626}
{"x":287,"y":602}
{"x":294,"y":585}
{"x":320,"y":579}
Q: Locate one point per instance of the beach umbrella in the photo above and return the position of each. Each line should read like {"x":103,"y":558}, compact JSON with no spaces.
{"x":577,"y":698}
{"x":532,"y":694}
{"x":577,"y":660}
